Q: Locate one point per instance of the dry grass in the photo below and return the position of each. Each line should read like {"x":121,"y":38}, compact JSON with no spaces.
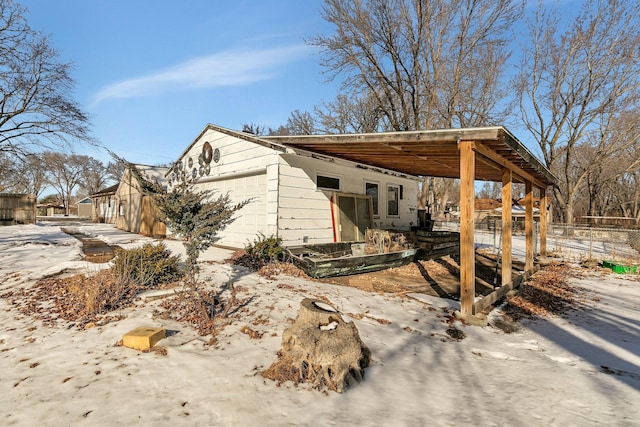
{"x":208,"y":311}
{"x":278,"y":267}
{"x":80,"y":299}
{"x":90,"y":300}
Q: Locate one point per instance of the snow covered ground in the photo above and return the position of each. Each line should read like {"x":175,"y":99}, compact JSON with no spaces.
{"x":580,"y":369}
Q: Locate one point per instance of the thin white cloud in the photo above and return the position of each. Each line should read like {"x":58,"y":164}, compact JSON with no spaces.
{"x":230,"y":68}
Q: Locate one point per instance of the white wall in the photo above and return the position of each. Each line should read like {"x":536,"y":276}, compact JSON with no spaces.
{"x":286,"y":202}
{"x":244,"y":170}
{"x":305,"y":211}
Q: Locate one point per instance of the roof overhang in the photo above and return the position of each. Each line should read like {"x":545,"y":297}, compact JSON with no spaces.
{"x":431,"y":152}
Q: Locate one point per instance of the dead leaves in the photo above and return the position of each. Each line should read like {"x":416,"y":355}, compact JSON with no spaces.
{"x":252,"y":333}
{"x":545,"y":293}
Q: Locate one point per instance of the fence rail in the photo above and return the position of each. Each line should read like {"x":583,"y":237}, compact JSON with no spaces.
{"x":571,"y":243}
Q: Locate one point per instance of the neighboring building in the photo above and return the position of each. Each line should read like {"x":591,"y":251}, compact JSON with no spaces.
{"x":51,"y":209}
{"x":518,"y":213}
{"x":104,"y":205}
{"x":295,"y":195}
{"x":482,"y":208}
{"x":17,"y":208}
{"x":84,"y":207}
{"x":135,"y":211}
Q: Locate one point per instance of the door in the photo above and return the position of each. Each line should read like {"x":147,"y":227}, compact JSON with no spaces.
{"x":354,"y":216}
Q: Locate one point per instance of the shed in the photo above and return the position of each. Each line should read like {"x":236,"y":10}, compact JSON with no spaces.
{"x":489,"y":153}
{"x":84,"y":207}
{"x":136,"y":210}
{"x":297,"y":195}
{"x":16,"y":208}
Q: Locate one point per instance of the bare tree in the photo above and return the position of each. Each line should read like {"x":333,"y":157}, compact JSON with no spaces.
{"x":574,"y":86}
{"x":301,"y":123}
{"x":36,"y":107}
{"x":490,"y":190}
{"x":115,"y":170}
{"x":350,"y":115}
{"x":281,"y":130}
{"x":93,"y":177}
{"x":31,"y":176}
{"x":22,"y":174}
{"x":411,"y":65}
{"x":426,"y":64}
{"x":253,"y":128}
{"x":64,"y":174}
{"x":625,"y":194}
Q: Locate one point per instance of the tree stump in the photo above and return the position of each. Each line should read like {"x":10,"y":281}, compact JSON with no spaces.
{"x":320,"y":348}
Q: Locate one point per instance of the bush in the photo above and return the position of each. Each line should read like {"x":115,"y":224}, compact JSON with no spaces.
{"x":146,"y":266}
{"x":89,"y":299}
{"x":266,"y":249}
{"x":263,"y":251}
{"x":96,"y":295}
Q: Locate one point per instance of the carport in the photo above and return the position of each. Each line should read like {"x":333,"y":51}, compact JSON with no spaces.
{"x":487,"y":154}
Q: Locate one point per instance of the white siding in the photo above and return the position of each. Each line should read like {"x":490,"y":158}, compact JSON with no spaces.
{"x":304,"y":212}
{"x":252,"y":218}
{"x":286,"y":202}
{"x":245,"y":170}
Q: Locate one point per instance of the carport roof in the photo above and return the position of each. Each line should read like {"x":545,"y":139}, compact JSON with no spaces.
{"x":430,"y":152}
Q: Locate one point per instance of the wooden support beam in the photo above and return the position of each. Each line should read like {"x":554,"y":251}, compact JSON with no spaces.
{"x":543,"y":222}
{"x":467,"y":246}
{"x":500,"y":293}
{"x":528,"y":225}
{"x":495,"y":157}
{"x":506,"y":225}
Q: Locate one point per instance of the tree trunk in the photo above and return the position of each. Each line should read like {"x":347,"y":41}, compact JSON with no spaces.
{"x":320,"y":348}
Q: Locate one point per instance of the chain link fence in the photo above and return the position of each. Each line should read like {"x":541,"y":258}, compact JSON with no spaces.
{"x":571,"y":243}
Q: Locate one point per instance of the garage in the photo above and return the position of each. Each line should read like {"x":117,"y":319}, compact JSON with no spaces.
{"x":251,"y":218}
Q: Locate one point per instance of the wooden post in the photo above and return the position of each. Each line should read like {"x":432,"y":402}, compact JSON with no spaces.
{"x":543,"y":222}
{"x":507,"y":177}
{"x":467,"y":248}
{"x":528,"y":225}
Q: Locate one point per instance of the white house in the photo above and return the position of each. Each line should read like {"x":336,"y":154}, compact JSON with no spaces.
{"x":104,"y":205}
{"x":296,"y":195}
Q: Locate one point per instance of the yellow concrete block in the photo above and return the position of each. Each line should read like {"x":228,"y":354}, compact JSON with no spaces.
{"x":143,"y":337}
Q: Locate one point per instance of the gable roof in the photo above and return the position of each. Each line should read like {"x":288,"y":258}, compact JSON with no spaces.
{"x":156,"y":173}
{"x":84,"y":200}
{"x":106,"y":191}
{"x":241,"y":135}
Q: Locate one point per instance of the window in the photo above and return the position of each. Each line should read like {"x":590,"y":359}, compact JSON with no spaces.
{"x":371,"y":189}
{"x":327,"y":182}
{"x":393,"y":196}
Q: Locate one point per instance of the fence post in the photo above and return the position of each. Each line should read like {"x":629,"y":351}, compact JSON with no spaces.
{"x":495,"y":226}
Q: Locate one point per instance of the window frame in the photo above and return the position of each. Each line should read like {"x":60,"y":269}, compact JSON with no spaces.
{"x":375,"y":201}
{"x":331,"y":177}
{"x":397,"y":200}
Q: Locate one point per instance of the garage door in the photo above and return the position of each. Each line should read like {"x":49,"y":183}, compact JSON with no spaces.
{"x":251,"y":219}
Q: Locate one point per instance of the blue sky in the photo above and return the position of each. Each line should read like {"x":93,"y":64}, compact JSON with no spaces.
{"x":152,"y":74}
